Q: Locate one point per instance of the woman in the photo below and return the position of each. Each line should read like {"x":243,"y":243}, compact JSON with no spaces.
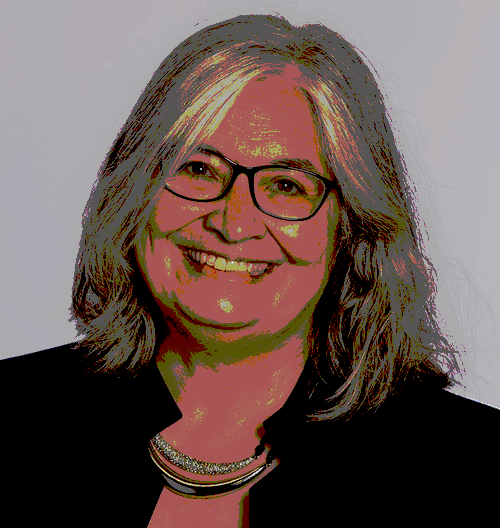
{"x":252,"y":292}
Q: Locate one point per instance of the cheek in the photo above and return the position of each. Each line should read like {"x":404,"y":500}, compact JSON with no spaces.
{"x":151,"y":266}
{"x":172,"y":212}
{"x":154,"y":256}
{"x":312,"y":241}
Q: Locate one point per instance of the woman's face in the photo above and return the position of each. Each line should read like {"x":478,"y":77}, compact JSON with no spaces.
{"x":269,"y":120}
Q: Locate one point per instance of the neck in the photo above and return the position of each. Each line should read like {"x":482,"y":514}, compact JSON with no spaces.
{"x":224,"y":404}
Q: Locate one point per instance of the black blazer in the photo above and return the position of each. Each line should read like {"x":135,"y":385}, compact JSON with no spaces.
{"x":74,"y":453}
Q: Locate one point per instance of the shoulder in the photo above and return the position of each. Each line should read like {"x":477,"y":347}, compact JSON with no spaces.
{"x":50,"y":361}
{"x":49,"y":395}
{"x":442,"y":415}
{"x":48,"y":384}
{"x":58,"y":424}
{"x":423,"y":458}
{"x":44,"y":381}
{"x":432,"y":425}
{"x":39,"y":373}
{"x":39,"y":402}
{"x":45,"y":395}
{"x":435,"y":453}
{"x":420,"y":414}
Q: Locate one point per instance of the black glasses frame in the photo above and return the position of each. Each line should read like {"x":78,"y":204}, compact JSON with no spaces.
{"x":251,"y":172}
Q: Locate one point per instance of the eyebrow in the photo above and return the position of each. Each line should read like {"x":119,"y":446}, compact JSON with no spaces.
{"x":294,"y":163}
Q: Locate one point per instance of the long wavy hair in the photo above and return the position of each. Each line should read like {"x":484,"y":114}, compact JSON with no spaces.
{"x":375,"y":327}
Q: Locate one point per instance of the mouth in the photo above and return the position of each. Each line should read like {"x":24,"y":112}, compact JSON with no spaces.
{"x":201,"y":259}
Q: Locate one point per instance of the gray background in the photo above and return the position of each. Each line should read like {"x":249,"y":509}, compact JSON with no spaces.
{"x":71,"y":71}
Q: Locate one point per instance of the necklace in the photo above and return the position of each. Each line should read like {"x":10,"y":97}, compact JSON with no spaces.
{"x":194,"y":465}
{"x":192,"y":488}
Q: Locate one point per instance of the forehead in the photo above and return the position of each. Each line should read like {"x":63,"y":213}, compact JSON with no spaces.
{"x":269,"y":119}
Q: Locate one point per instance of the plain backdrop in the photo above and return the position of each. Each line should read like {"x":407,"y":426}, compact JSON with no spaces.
{"x":71,"y":72}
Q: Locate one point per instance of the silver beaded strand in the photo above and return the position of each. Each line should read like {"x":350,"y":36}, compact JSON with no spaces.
{"x":194,"y":465}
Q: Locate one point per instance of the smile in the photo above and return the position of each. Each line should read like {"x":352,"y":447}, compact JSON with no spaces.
{"x":254,"y":269}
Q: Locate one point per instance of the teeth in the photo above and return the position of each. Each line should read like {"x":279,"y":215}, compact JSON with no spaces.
{"x":232,"y":266}
{"x":222,"y":264}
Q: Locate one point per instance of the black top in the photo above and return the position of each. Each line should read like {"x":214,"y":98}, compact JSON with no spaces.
{"x":74,"y":453}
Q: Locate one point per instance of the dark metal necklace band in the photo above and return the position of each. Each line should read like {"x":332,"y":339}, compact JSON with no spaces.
{"x":192,"y":488}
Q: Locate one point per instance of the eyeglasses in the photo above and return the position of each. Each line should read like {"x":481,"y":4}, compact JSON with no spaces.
{"x":279,"y":191}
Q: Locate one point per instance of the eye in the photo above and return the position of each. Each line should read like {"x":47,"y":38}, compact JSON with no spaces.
{"x":205,"y":167}
{"x":286,"y":186}
{"x":197,"y":168}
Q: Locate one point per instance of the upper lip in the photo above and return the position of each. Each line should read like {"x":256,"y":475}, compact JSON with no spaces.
{"x":228,"y":257}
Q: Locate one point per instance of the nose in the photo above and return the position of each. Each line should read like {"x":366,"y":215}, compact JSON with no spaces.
{"x":237,"y":218}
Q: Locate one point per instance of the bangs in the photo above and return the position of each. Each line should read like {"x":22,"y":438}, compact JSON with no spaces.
{"x":207,"y":95}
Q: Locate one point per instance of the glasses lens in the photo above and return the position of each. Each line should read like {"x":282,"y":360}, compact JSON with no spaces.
{"x":202,"y":177}
{"x":288,"y":193}
{"x":285,"y":193}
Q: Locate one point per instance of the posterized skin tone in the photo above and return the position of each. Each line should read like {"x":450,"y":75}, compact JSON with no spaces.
{"x":236,"y":347}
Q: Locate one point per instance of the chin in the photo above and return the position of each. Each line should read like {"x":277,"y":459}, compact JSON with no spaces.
{"x":215,"y":318}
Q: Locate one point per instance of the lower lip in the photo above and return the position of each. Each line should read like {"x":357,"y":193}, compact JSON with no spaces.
{"x":232,"y":276}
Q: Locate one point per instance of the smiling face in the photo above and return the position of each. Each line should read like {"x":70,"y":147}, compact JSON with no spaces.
{"x":269,"y":120}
